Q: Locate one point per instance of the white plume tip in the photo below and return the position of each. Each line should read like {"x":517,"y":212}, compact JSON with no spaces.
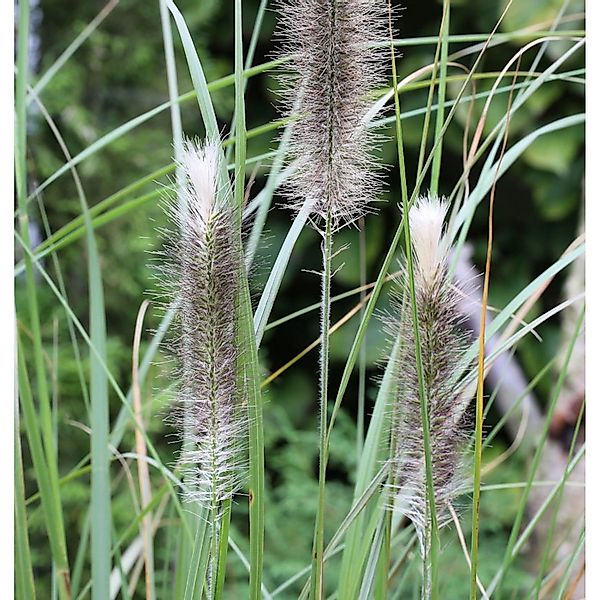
{"x":200,"y":163}
{"x":426,"y":218}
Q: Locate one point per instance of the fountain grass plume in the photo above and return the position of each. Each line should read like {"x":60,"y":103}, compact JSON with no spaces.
{"x":205,"y":261}
{"x":335,"y":66}
{"x":443,"y":346}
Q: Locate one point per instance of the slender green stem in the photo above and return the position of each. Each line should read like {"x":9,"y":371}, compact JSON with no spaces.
{"x":439,"y":118}
{"x":362,"y":358}
{"x":55,"y":524}
{"x":318,"y":544}
{"x":240,"y":114}
{"x":24,"y":585}
{"x":250,"y":371}
{"x":477,"y":459}
{"x":248,"y":63}
{"x":429,"y":111}
{"x":176,"y":127}
{"x":256,"y":491}
{"x":100,"y":503}
{"x":432,"y":534}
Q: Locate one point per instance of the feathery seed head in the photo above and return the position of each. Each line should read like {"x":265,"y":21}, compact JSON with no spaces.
{"x":443,"y":344}
{"x":333,"y":69}
{"x":206,"y":259}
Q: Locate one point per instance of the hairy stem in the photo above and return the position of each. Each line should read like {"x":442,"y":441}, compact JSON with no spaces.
{"x":317,"y":569}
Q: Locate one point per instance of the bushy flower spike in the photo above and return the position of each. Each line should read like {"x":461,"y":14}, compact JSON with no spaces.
{"x":207,"y":263}
{"x":334,"y":68}
{"x":443,"y":345}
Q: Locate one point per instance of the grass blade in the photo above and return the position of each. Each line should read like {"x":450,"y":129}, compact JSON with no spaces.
{"x":267,"y":299}
{"x":49,"y":495}
{"x":439,"y":117}
{"x":23,"y":570}
{"x":53,"y":512}
{"x":197,"y":74}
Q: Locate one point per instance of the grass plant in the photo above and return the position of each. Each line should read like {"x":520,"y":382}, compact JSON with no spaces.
{"x":295,"y":476}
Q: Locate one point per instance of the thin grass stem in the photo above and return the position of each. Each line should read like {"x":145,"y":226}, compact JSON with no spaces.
{"x":318,"y":543}
{"x":439,"y":117}
{"x":432,"y":543}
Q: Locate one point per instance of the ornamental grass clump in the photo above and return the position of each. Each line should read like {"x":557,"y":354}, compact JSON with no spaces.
{"x":241,"y":512}
{"x":442,"y":345}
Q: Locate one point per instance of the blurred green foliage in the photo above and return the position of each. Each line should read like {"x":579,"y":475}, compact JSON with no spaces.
{"x":120,"y":73}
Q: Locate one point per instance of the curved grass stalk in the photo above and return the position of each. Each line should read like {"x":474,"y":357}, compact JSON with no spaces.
{"x":71,"y":49}
{"x":431,"y":527}
{"x":481,"y":373}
